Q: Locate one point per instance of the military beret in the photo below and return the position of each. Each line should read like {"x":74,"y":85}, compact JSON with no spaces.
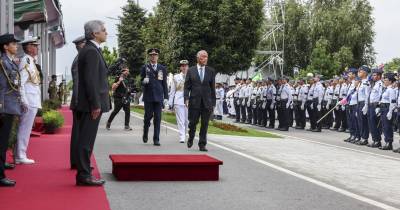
{"x":364,"y":68}
{"x":31,"y":40}
{"x":352,"y":70}
{"x":54,"y":76}
{"x":8,"y":38}
{"x":377,"y":71}
{"x":184,"y":62}
{"x":390,"y":76}
{"x":237,"y":78}
{"x":153,"y":51}
{"x":79,"y":40}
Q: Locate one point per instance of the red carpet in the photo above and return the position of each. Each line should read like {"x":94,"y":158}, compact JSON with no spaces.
{"x":49,"y":184}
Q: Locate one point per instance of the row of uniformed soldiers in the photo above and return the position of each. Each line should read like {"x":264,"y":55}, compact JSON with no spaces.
{"x":356,"y":103}
{"x":20,"y":98}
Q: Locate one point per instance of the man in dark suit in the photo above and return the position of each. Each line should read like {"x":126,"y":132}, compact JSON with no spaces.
{"x":155,"y":89}
{"x":93,"y":99}
{"x":200,"y":98}
{"x":79,"y":44}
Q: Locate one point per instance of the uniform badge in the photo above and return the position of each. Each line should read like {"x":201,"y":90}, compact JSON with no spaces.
{"x":160,"y":75}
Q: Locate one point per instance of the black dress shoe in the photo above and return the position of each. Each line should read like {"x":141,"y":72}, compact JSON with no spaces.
{"x":348,"y":139}
{"x":157,"y":143}
{"x":341,"y":130}
{"x":355,"y":140}
{"x":203,"y":149}
{"x":396,"y":150}
{"x":145,"y":139}
{"x":90,"y":182}
{"x":363,"y":142}
{"x":376,"y":144}
{"x":284,"y":129}
{"x":387,"y":146}
{"x":190,"y":143}
{"x":316,"y":130}
{"x":271,"y":126}
{"x":334,"y":129}
{"x":9,"y":166}
{"x":309,"y":129}
{"x":7,"y":182}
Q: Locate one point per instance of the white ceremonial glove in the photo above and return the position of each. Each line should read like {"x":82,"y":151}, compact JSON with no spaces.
{"x":264,"y":105}
{"x":389,"y":115}
{"x":243,"y":102}
{"x":337,"y":108}
{"x":291,"y":106}
{"x":378,"y":112}
{"x":165,"y":102}
{"x":146,"y":81}
{"x":272,"y":106}
{"x":343,"y":108}
{"x":319,"y":107}
{"x":302,"y":107}
{"x":312,"y":106}
{"x":238,"y":102}
{"x":287,"y":105}
{"x":248,"y":103}
{"x":395,"y":110}
{"x":365,"y":110}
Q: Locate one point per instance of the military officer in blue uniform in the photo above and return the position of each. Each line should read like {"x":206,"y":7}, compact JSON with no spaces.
{"x":373,"y":108}
{"x":286,"y":100}
{"x":387,"y":106}
{"x":155,"y":94}
{"x":10,"y":99}
{"x":363,"y":93}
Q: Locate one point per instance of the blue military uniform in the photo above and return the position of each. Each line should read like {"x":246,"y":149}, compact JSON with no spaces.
{"x":362,"y":93}
{"x":10,"y":103}
{"x":351,"y":113}
{"x":155,"y":90}
{"x":373,"y":111}
{"x":387,"y":106}
{"x":286,"y":98}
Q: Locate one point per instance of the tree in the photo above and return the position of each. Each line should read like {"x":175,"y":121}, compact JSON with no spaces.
{"x":130,"y":35}
{"x":228,"y":30}
{"x":393,"y":65}
{"x":321,"y":61}
{"x":110,"y":56}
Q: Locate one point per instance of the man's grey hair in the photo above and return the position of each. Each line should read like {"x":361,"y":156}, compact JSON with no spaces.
{"x":201,"y":52}
{"x":92,"y":27}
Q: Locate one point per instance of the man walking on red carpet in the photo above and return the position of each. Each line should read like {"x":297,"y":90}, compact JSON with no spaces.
{"x":200,"y":98}
{"x":93,"y":99}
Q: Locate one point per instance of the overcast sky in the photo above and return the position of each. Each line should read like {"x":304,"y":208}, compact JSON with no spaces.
{"x":387,"y":39}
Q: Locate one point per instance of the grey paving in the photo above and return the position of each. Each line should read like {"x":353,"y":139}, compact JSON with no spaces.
{"x":244,"y":184}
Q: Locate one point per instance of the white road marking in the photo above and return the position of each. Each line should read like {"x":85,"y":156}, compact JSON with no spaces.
{"x":300,"y":176}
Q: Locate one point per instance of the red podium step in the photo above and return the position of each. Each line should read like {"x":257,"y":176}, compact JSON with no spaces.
{"x":165,"y":167}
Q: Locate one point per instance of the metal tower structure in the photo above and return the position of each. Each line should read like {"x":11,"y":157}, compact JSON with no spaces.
{"x":273,"y":41}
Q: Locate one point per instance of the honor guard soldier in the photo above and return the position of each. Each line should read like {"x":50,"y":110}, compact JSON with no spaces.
{"x":243,"y":100}
{"x":300,"y":105}
{"x":155,"y":90}
{"x":317,"y":102}
{"x":363,"y":93}
{"x":344,"y":87}
{"x":31,"y":97}
{"x":335,"y":100}
{"x":230,"y":102}
{"x":248,"y":95}
{"x":285,"y":101}
{"x":236,"y":99}
{"x":291,"y":110}
{"x":260,"y":99}
{"x":219,"y":94}
{"x":373,"y":108}
{"x":270,"y":95}
{"x":309,"y":104}
{"x":177,"y":100}
{"x":351,"y":101}
{"x":387,"y":106}
{"x":254,"y":103}
{"x":10,"y":100}
{"x":278,"y":102}
{"x":53,"y":88}
{"x":327,"y":105}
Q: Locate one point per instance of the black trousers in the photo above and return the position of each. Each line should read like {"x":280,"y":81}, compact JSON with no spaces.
{"x":237,"y":108}
{"x":283,"y":116}
{"x":73,"y":148}
{"x":152,"y":109}
{"x":317,"y":114}
{"x":271,"y":114}
{"x":194,"y":115}
{"x":87,"y":132}
{"x":300,"y":115}
{"x":311,"y":114}
{"x":243,"y":110}
{"x":338,"y":117}
{"x":118,"y":105}
{"x":260,"y":112}
{"x":264,"y":114}
{"x":6,"y":122}
{"x":249,"y":113}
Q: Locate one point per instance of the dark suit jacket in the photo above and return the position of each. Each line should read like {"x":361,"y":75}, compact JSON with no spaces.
{"x":156,"y":90}
{"x":197,"y":91}
{"x":74,"y":73}
{"x":92,"y":85}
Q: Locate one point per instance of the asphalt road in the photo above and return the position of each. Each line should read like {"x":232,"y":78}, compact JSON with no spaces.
{"x":285,"y":173}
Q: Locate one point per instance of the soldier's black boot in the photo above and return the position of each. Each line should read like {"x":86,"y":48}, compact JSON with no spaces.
{"x":387,"y":146}
{"x":348,"y":139}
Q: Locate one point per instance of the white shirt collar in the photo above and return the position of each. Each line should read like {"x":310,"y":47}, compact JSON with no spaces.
{"x":95,"y":43}
{"x":198,"y":66}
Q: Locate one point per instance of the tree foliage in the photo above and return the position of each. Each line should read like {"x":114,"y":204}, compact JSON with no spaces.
{"x":130,"y":35}
{"x":109,"y":56}
{"x":393,"y":65}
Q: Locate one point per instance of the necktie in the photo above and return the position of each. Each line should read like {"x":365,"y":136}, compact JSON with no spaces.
{"x":154,"y":67}
{"x":201,"y":73}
